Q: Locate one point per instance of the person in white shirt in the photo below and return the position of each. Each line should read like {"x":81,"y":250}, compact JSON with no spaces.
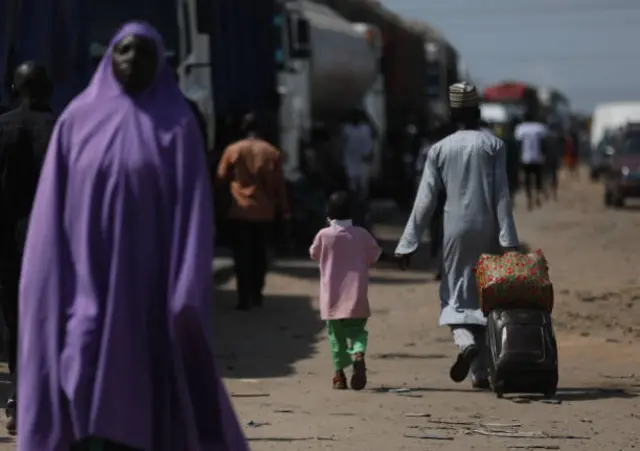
{"x":532,"y":134}
{"x":357,"y":155}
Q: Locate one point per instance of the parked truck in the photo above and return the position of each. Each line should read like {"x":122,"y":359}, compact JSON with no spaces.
{"x":520,"y":97}
{"x":404,"y":68}
{"x":298,"y":64}
{"x":301,"y":65}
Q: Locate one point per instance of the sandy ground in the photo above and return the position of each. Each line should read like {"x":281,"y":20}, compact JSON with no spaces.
{"x":277,"y":364}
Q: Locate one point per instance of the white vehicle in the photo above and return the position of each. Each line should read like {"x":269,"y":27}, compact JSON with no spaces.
{"x":606,"y":119}
{"x":610,"y":116}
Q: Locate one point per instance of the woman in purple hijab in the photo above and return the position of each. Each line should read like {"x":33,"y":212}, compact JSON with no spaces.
{"x":115,"y":348}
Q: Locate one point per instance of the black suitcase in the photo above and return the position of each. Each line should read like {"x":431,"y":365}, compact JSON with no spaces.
{"x":523,"y":355}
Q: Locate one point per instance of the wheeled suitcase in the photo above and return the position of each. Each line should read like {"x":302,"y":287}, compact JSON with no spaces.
{"x":523,"y":355}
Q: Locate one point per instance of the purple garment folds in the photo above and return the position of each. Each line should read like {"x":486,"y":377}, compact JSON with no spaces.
{"x":116,"y":291}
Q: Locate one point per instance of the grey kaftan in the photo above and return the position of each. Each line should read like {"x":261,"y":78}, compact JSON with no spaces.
{"x":470,"y":166}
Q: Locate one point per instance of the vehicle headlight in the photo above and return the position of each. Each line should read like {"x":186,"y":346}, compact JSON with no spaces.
{"x":625,"y":171}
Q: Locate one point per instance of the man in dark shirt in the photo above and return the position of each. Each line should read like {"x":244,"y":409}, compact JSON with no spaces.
{"x":24,"y":137}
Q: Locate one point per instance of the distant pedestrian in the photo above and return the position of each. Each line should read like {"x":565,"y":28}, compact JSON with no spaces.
{"x":345,"y":253}
{"x":115,"y":347}
{"x":532,"y":136}
{"x":253,"y":169}
{"x":572,"y":153}
{"x":358,"y":154}
{"x":24,"y":137}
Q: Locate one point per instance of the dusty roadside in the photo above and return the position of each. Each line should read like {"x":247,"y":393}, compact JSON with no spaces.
{"x":277,"y":365}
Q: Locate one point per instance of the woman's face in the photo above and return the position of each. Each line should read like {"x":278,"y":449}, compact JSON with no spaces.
{"x":134,"y":63}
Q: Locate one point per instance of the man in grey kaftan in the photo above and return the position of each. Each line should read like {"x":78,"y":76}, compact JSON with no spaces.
{"x":470,"y":167}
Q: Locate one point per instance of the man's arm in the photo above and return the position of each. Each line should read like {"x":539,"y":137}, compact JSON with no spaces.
{"x":424,"y":206}
{"x":224,"y":166}
{"x":508,"y":236}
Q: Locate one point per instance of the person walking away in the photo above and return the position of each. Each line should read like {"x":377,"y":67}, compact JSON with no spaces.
{"x":115,"y":348}
{"x":253,"y":168}
{"x":357,"y":154}
{"x":553,"y":147}
{"x":531,"y":135}
{"x":469,"y":166}
{"x":345,"y":252}
{"x":513,"y":157}
{"x":24,"y":137}
{"x":571,"y":153}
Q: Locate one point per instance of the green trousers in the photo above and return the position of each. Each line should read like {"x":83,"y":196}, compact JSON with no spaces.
{"x":346,"y":338}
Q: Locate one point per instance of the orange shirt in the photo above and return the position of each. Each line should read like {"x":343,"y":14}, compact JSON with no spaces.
{"x":253,"y":168}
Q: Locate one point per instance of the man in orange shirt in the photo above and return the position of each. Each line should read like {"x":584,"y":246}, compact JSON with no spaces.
{"x":253,"y":169}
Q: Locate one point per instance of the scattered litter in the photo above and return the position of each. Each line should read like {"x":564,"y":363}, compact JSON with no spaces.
{"x":399,"y":390}
{"x":429,"y":437}
{"x":253,"y":424}
{"x":521,"y":400}
{"x":283,"y":411}
{"x":568,"y":437}
{"x":409,"y":395}
{"x":454,"y":423}
{"x":438,"y":427}
{"x":630,"y":376}
{"x":508,"y":434}
{"x":417,"y":415}
{"x":501,"y":425}
{"x":250,"y":395}
{"x":541,"y":435}
{"x":551,"y":401}
{"x":534,"y":447}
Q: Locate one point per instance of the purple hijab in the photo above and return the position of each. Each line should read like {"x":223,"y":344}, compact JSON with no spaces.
{"x":116,"y":292}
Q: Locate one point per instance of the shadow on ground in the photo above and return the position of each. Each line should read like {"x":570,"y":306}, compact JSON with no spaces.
{"x":574,"y":394}
{"x":310,"y":271}
{"x":265,"y":342}
{"x":563,"y":394}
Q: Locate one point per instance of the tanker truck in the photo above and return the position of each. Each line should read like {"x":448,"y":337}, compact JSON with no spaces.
{"x":297,"y":63}
{"x":338,"y":74}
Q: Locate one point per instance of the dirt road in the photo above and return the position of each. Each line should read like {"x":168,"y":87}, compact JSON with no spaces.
{"x":278,"y":367}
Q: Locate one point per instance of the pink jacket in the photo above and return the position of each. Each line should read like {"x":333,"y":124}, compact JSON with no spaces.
{"x":345,"y":253}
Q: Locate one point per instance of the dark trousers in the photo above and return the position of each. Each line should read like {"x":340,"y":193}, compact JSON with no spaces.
{"x":9,"y":283}
{"x":533,"y":175}
{"x":552,"y":174}
{"x":250,"y":243}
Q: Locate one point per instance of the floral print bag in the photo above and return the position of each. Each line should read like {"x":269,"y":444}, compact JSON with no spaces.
{"x":514,"y":280}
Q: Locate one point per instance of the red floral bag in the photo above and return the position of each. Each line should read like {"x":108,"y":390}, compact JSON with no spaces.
{"x":514,"y":280}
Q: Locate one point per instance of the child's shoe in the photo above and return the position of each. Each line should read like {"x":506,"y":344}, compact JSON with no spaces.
{"x":359,"y":376}
{"x":340,"y":381}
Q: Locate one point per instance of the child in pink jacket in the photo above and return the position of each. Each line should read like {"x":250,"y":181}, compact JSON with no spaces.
{"x":345,"y":252}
